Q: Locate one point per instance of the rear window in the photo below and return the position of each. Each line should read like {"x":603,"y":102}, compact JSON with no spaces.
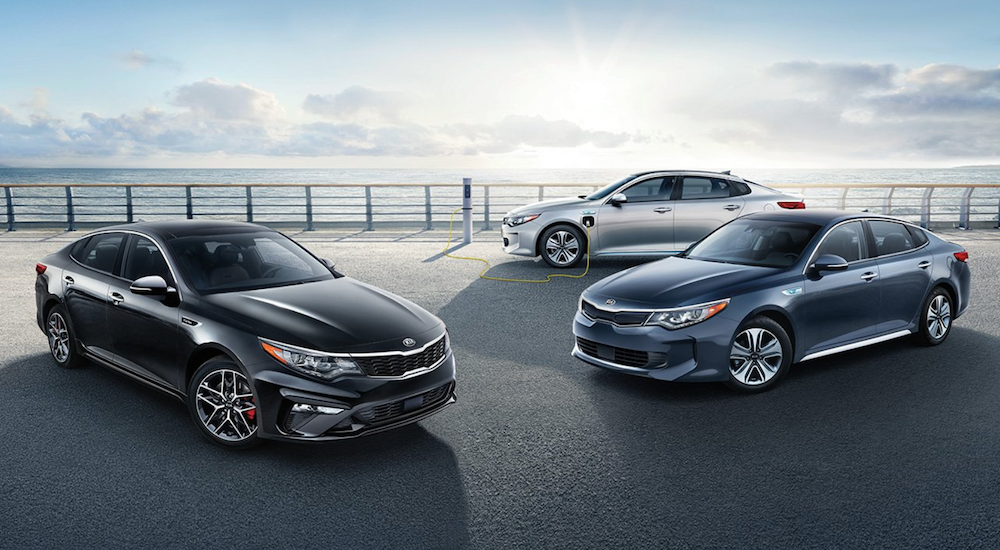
{"x":919,"y":236}
{"x":101,"y":251}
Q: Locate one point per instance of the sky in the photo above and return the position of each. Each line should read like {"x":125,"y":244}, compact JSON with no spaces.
{"x":514,"y":84}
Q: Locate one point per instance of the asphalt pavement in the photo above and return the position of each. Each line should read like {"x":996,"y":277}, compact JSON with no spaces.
{"x":890,"y":446}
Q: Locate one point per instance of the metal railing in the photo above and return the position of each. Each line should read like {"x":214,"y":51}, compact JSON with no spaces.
{"x":370,"y":206}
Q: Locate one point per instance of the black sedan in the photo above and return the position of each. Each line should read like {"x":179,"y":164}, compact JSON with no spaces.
{"x":258,"y":337}
{"x":772,"y":289}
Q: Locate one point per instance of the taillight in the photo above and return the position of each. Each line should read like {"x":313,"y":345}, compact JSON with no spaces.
{"x":40,"y":268}
{"x":796,"y":205}
{"x":962,"y":256}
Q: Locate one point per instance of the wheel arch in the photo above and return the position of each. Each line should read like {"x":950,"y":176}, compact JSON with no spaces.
{"x":203,"y":353}
{"x":555,"y":223}
{"x":948,"y":287}
{"x":779,"y":316}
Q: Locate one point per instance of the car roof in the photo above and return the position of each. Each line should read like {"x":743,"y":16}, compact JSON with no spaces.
{"x":818,"y":216}
{"x":173,"y":229}
{"x":694,"y":172}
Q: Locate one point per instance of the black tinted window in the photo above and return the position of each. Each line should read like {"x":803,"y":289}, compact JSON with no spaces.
{"x":846,"y":241}
{"x":101,"y":251}
{"x":655,"y":189}
{"x":221,"y":263}
{"x":144,"y":258}
{"x":919,"y":237}
{"x":755,"y":242}
{"x":705,"y":188}
{"x":891,"y":237}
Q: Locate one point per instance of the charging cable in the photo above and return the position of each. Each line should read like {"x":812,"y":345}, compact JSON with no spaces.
{"x":482,"y":274}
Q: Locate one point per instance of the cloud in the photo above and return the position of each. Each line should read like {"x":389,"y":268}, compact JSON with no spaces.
{"x":357,"y":104}
{"x":861,"y":111}
{"x":138,"y":59}
{"x":215,"y":117}
{"x":214,"y":99}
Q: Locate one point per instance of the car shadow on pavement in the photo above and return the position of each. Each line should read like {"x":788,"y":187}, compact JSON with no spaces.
{"x":889,"y":445}
{"x":93,"y":459}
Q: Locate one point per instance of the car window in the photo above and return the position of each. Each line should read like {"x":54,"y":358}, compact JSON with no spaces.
{"x":144,"y":258}
{"x":846,"y":241}
{"x":705,"y":188}
{"x":919,"y":236}
{"x":890,"y":237}
{"x":608,"y":189}
{"x":243,"y":261}
{"x":649,"y":190}
{"x":766,"y":243}
{"x":101,"y":251}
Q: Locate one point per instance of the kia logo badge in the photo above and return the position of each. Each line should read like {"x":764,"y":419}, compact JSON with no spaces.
{"x":409,"y":342}
{"x":610,"y":302}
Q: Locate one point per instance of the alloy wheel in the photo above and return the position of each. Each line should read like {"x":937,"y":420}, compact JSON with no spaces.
{"x":58,"y":333}
{"x":226,"y":405}
{"x":756,"y":356}
{"x":562,"y":247}
{"x":939,"y":316}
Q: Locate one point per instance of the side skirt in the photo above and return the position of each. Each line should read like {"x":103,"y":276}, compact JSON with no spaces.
{"x":856,"y":345}
{"x":122,"y":370}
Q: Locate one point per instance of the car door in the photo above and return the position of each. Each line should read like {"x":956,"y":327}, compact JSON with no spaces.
{"x":85,"y":288}
{"x":839,"y":307}
{"x":703,"y":204}
{"x":644,"y":223}
{"x":905,"y":268}
{"x":144,"y":329}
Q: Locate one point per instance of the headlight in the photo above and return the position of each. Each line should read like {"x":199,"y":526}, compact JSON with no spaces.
{"x":313,"y":363}
{"x":518,"y":220}
{"x":686,"y":316}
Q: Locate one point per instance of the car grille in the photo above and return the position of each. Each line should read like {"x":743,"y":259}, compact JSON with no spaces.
{"x":389,"y":411}
{"x":620,"y":318}
{"x":398,"y":365}
{"x":620,"y":356}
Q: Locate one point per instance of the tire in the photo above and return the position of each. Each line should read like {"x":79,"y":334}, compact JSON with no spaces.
{"x":760,"y":355}
{"x":62,"y":342}
{"x":936,"y":317}
{"x":222,"y":404}
{"x":562,"y":246}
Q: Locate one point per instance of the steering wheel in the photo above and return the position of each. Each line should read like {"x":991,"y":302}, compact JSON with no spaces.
{"x":271,"y":272}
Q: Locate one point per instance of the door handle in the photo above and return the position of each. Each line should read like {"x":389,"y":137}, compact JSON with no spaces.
{"x":69,"y":280}
{"x":116,"y":298}
{"x":732,"y":207}
{"x":924,"y":264}
{"x":869,"y":276}
{"x":662,"y":210}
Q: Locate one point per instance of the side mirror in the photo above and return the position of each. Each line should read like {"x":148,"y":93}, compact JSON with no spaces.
{"x":829,"y":262}
{"x":151,"y":285}
{"x":618,"y":198}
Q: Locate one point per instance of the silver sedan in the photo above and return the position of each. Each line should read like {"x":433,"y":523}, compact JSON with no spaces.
{"x":648,"y":213}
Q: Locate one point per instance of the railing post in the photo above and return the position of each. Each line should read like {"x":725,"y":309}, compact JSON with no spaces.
{"x":128,"y":204}
{"x":309,"y":208}
{"x":965,"y":212}
{"x":428,"y":221}
{"x":190,"y":206}
{"x":249,"y":204}
{"x":925,"y":208}
{"x":843,"y":198}
{"x":368,"y":209}
{"x":887,"y":202}
{"x":541,"y":193}
{"x":467,"y":210}
{"x":486,"y":208}
{"x":70,"y":215}
{"x":10,"y":209}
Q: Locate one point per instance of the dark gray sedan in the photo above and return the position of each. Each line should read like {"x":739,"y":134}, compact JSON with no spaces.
{"x":772,"y":289}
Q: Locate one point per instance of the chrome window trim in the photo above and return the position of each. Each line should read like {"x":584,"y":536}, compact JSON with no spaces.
{"x":638,"y":181}
{"x":166,"y":257}
{"x":813,"y":255}
{"x":914,"y":249}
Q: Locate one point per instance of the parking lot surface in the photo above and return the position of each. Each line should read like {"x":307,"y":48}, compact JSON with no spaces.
{"x":890,"y":446}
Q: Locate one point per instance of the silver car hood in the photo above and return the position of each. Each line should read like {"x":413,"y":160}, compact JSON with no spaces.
{"x":545,"y":206}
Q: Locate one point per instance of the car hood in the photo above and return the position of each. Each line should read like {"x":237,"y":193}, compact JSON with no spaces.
{"x":674,"y":282}
{"x":545,"y":206}
{"x":334,"y":315}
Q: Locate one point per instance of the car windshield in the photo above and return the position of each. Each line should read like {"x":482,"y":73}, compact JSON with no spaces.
{"x":765,"y":243}
{"x":244,"y":261}
{"x":607,"y":190}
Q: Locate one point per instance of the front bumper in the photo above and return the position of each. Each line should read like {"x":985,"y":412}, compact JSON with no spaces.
{"x":520,"y":240}
{"x":369,"y":405}
{"x":699,"y":353}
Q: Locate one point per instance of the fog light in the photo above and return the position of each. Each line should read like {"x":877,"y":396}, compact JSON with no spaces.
{"x":301,"y":408}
